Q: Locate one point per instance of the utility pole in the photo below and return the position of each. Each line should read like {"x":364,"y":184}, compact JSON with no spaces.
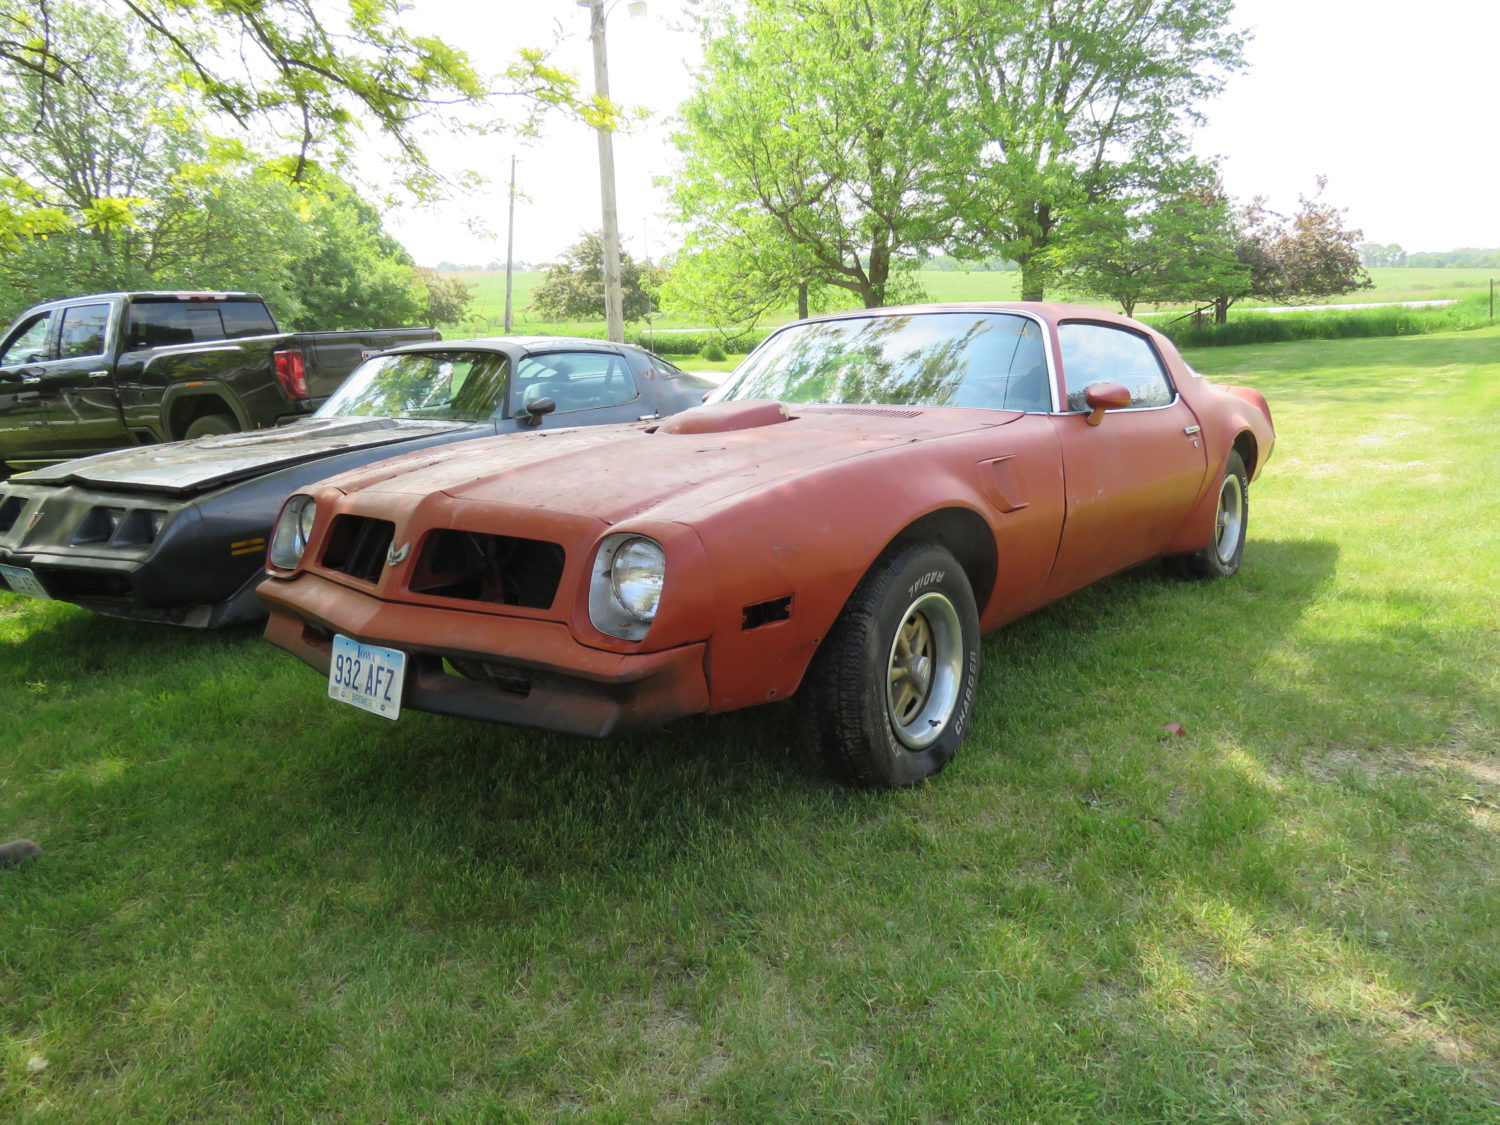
{"x":510,"y":242}
{"x":614,"y":306}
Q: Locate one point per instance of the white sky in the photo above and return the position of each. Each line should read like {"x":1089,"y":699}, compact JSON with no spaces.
{"x":1397,"y":104}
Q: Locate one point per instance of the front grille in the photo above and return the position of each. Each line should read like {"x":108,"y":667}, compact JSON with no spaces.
{"x":501,"y":569}
{"x":10,"y":511}
{"x":502,"y":677}
{"x":357,"y":546}
{"x":71,"y":585}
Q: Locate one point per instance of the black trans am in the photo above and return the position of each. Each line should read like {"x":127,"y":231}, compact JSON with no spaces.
{"x":176,"y":533}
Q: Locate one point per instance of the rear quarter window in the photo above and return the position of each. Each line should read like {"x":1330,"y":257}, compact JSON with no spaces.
{"x":159,"y":324}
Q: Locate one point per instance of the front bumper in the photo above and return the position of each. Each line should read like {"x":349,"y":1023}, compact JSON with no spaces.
{"x":534,"y":673}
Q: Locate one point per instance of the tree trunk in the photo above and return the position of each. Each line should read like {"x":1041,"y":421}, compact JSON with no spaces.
{"x":802,"y":300}
{"x":1031,"y":280}
{"x":1221,"y":310}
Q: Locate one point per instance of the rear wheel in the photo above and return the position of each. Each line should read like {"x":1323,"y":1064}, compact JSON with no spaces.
{"x":206,"y":425}
{"x":1221,"y":558}
{"x":889,"y":695}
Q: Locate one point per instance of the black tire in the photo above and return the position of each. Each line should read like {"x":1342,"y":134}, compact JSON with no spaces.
{"x":1221,"y":558}
{"x":207,"y":425}
{"x":890,"y":693}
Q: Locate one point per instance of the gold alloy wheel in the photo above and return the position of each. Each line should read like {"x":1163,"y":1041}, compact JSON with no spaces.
{"x":924,"y":670}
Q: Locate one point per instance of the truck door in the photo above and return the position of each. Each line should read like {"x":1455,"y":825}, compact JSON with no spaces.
{"x":83,"y":406}
{"x":23,"y":414}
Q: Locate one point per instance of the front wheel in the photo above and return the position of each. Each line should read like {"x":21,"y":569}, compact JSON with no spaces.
{"x":891,"y":691}
{"x":207,"y":425}
{"x":1221,"y":558}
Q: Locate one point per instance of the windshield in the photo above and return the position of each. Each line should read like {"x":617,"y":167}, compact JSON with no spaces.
{"x":460,"y":385}
{"x":983,"y":359}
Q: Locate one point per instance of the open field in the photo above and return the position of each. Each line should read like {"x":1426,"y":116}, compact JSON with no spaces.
{"x":259,"y":905}
{"x":938,"y":285}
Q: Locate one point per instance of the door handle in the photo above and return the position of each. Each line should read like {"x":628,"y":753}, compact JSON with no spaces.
{"x":1191,"y":430}
{"x":98,"y":374}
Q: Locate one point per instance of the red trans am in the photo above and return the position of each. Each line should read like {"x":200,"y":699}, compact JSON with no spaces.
{"x":865,"y":496}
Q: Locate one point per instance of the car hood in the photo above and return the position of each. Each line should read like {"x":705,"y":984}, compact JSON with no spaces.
{"x":663,"y":470}
{"x":186,"y":467}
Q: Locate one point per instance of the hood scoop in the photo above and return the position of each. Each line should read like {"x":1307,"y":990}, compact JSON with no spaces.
{"x":724,"y":417}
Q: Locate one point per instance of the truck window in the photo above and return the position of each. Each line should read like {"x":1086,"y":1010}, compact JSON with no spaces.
{"x":28,"y":343}
{"x":82,"y":331}
{"x":246,"y":318}
{"x":155,"y":324}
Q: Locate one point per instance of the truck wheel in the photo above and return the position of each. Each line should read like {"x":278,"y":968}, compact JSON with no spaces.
{"x":889,"y":695}
{"x":206,"y":425}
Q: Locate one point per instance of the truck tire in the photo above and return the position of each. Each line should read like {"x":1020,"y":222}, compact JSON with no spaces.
{"x":206,"y":425}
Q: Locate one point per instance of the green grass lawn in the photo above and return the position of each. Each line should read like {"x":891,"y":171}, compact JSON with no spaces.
{"x":939,"y":285}
{"x":259,"y":905}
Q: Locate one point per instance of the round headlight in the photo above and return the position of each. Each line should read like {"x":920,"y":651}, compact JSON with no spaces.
{"x":293,"y":530}
{"x":625,"y":589}
{"x":635,"y":575}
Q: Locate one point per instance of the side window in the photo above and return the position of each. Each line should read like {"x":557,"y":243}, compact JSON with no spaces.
{"x":1101,"y":353}
{"x":246,"y":318}
{"x":155,"y":324}
{"x":28,"y":343}
{"x":82,"y":331}
{"x":573,"y":380}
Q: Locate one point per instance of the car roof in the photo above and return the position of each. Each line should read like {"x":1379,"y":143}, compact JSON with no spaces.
{"x":1048,"y":310}
{"x":516,"y":345}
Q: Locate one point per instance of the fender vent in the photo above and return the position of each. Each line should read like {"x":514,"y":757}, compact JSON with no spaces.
{"x":767,"y":613}
{"x":357,"y":546}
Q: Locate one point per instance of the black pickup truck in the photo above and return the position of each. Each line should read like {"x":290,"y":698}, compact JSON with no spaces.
{"x":89,"y":374}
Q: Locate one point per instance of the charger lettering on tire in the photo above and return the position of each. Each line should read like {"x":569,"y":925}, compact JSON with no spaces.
{"x":925,"y":581}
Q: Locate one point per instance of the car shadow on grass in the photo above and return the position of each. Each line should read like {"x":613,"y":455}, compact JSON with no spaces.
{"x":1083,"y":903}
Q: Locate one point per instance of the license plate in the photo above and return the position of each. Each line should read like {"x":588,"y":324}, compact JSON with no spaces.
{"x":367,"y":676}
{"x":22,"y":581}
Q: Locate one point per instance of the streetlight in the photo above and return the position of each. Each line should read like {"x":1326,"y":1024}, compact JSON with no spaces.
{"x":614,"y":305}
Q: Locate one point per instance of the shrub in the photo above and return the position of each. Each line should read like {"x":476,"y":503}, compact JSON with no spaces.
{"x":1332,"y":324}
{"x":712,"y":352}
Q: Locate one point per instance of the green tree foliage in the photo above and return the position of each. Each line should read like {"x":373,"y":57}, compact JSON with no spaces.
{"x":733,"y":275}
{"x":817,"y":126}
{"x":1373,"y":255}
{"x":447,"y":299}
{"x":1293,"y":259}
{"x":1466,"y":258}
{"x":869,"y":132}
{"x":176,"y":208}
{"x":313,"y":72}
{"x":1072,"y":105}
{"x":573,"y":288}
{"x":1171,"y":249}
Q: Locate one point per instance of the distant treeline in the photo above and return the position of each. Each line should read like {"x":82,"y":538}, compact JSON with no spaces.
{"x":1467,"y":258}
{"x":1373,"y":255}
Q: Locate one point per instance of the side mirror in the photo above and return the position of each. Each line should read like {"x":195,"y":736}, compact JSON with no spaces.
{"x":536,"y":409}
{"x":1105,"y":396}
